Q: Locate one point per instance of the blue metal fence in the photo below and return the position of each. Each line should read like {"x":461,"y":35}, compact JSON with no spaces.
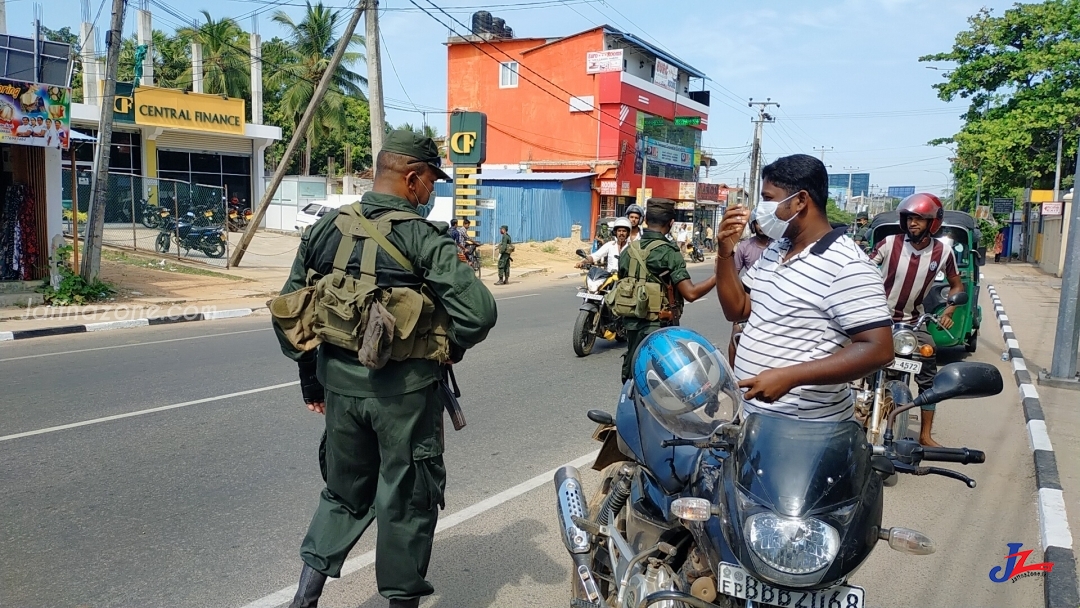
{"x":532,"y":210}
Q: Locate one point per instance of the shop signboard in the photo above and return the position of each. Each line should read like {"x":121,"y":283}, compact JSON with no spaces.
{"x":643,"y":194}
{"x":597,"y":62}
{"x":666,"y":75}
{"x":1003,"y":205}
{"x":175,"y":109}
{"x":624,"y":189}
{"x":669,"y":154}
{"x":1053,"y":208}
{"x":36,"y":115}
{"x":684,"y":205}
{"x":687,"y":191}
{"x":708,"y":192}
{"x":468,"y":138}
{"x":609,"y":187}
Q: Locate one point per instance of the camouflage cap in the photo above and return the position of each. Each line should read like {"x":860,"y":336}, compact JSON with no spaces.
{"x":414,"y":145}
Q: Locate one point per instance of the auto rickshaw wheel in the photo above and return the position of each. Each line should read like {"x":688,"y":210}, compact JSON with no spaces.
{"x":972,"y":341}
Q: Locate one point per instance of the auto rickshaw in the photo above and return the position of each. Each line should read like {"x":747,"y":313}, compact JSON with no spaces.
{"x":959,"y":232}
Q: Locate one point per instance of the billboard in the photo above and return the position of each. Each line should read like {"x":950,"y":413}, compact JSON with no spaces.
{"x":34,"y":114}
{"x":597,"y":62}
{"x":901,"y":191}
{"x":858,"y":182}
{"x":665,"y":75}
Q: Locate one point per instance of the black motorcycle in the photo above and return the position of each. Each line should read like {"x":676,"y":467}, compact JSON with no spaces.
{"x":696,"y":252}
{"x":768,"y":510}
{"x":209,"y":239}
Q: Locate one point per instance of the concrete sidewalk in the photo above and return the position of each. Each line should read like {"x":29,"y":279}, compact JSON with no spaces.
{"x":1029,"y":299}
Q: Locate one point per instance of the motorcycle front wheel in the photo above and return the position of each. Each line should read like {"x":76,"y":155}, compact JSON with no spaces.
{"x":161,"y":243}
{"x":150,"y":219}
{"x":584,"y":339}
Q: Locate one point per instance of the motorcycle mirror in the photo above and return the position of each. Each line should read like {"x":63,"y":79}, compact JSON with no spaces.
{"x":581,"y":253}
{"x":962,"y":381}
{"x":957,"y":299}
{"x":600,"y":417}
{"x":691,"y":509}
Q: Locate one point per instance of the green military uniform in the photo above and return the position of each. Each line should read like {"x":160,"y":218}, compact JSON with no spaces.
{"x":666,"y":258}
{"x":384,"y":427}
{"x":504,"y":258}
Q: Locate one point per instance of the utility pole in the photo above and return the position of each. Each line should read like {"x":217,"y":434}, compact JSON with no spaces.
{"x":96,"y":221}
{"x":755,"y":153}
{"x":374,"y":68}
{"x":1063,"y":367}
{"x":1057,"y":171}
{"x":823,"y":150}
{"x":298,"y":134}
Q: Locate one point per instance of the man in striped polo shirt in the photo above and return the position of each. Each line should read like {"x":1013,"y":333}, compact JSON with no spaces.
{"x":910,"y":262}
{"x":815,"y":307}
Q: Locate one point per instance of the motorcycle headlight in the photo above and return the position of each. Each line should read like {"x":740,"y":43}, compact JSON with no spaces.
{"x":904,"y":342}
{"x":792,"y":545}
{"x":594,"y":284}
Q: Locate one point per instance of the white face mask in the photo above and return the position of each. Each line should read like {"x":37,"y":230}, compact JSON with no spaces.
{"x":770,"y":225}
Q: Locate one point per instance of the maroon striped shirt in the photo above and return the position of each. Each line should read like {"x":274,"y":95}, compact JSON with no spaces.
{"x":909,"y":273}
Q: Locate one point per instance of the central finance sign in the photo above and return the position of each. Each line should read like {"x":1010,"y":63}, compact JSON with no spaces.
{"x":467,"y":142}
{"x":171,"y":108}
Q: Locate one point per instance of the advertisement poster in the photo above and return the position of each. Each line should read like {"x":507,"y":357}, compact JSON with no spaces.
{"x":666,"y":75}
{"x":34,"y":114}
{"x":597,"y":62}
{"x":668,"y":154}
{"x":688,"y":191}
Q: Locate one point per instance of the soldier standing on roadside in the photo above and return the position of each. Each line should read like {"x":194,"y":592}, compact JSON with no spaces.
{"x":506,"y":247}
{"x":384,"y":422}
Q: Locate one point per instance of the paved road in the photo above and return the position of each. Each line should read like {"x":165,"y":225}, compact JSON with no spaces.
{"x":205,"y":504}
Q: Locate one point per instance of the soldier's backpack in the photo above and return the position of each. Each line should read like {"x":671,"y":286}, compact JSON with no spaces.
{"x":635,"y":295}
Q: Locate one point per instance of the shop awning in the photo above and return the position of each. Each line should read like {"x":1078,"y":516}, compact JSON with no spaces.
{"x":82,"y":137}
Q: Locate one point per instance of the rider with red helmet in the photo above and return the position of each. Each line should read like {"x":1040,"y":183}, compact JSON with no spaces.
{"x":910,"y":262}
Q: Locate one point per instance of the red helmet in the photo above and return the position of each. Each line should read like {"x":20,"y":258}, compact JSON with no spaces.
{"x":926,"y":206}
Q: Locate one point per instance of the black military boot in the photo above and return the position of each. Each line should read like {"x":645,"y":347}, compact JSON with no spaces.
{"x":311,"y":586}
{"x":413,"y":603}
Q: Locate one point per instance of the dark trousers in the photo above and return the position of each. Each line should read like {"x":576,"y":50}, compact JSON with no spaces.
{"x":383,"y":462}
{"x":635,"y":335}
{"x":504,"y":267}
{"x":925,"y":378}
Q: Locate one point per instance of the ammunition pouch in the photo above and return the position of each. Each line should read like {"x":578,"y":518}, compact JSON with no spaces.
{"x":635,"y":295}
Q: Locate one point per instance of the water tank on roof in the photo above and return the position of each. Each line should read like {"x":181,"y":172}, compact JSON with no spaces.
{"x":498,"y":27}
{"x":481,"y":23}
{"x":508,"y":32}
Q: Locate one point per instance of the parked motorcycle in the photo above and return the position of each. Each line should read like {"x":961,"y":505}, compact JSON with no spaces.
{"x":876,"y":396}
{"x":766,"y":510}
{"x":209,"y":239}
{"x":238,"y":219}
{"x":595,"y":318}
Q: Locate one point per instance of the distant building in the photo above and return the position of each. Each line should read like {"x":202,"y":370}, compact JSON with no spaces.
{"x":601,"y":102}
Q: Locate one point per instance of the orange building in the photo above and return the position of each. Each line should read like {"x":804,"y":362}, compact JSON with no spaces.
{"x":601,"y":101}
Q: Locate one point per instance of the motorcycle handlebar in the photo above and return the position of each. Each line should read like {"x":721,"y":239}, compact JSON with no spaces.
{"x":958,"y":455}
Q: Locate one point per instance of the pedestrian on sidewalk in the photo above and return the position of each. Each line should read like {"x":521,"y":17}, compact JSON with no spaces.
{"x":911,"y":261}
{"x":999,"y":244}
{"x":384,"y":434}
{"x":506,"y":247}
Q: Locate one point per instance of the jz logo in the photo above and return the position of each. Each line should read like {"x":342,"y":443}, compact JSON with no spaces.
{"x":1016,"y":565}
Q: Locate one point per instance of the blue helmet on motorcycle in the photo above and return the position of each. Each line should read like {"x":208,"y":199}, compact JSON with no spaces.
{"x":682,"y":380}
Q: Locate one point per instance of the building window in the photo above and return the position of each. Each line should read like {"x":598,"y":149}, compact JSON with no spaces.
{"x":508,"y":75}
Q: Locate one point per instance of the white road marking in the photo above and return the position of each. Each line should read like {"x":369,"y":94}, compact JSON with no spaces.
{"x":124,"y":324}
{"x":1040,"y":439}
{"x":64,"y":427}
{"x":1055,"y":525}
{"x":1006,"y":329}
{"x":1019,"y":365}
{"x":87,"y":350}
{"x":1011,"y":343}
{"x":359,"y":562}
{"x":528,"y":295}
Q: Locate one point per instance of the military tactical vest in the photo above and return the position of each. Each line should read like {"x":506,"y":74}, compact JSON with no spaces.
{"x":354,"y":313}
{"x":639,"y":294}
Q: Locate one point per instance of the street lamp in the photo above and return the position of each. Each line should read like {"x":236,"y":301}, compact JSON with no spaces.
{"x":948,"y":182}
{"x":847,"y":199}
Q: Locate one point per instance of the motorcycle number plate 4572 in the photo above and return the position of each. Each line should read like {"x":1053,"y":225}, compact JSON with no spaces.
{"x":589,"y":296}
{"x":906,"y":365}
{"x":735,"y":582}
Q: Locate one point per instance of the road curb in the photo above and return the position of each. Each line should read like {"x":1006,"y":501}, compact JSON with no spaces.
{"x":1060,"y":584}
{"x":45,"y":332}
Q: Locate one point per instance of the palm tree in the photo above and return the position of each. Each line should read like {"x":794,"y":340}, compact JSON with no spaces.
{"x":304,"y":61}
{"x":226,"y":64}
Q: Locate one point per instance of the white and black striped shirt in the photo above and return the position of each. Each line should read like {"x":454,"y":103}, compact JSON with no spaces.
{"x":806,"y":309}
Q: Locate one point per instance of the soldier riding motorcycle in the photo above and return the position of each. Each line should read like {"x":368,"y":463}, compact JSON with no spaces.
{"x":732,"y":510}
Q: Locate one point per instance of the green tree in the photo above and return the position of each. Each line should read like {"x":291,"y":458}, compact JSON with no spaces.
{"x":301,"y":64}
{"x":1021,"y":71}
{"x":225,"y":56}
{"x":837,"y":215}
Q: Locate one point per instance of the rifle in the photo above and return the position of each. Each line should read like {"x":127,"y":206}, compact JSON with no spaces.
{"x":448,"y":384}
{"x":671,"y":314}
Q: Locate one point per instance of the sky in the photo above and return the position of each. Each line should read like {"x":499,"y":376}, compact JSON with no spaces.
{"x":845,"y":72}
